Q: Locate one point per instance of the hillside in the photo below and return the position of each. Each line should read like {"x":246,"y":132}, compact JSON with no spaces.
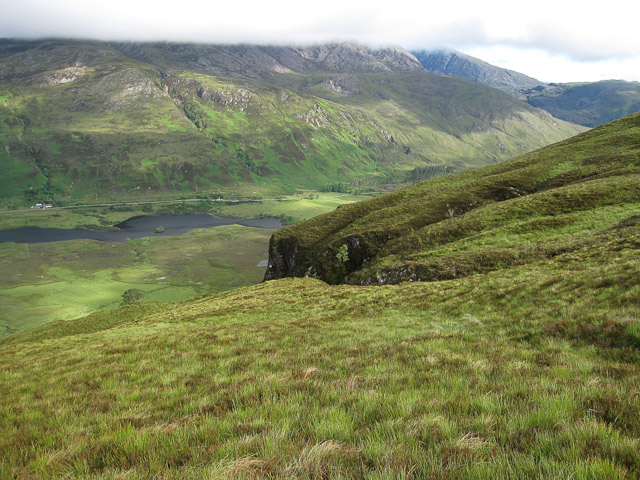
{"x":589,"y":103}
{"x":87,"y":121}
{"x":517,"y":212}
{"x":526,"y":369}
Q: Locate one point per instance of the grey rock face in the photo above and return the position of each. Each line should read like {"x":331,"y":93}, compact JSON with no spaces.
{"x":450,"y":62}
{"x":255,"y":61}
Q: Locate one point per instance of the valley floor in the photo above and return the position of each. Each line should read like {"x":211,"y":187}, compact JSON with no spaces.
{"x":64,"y":280}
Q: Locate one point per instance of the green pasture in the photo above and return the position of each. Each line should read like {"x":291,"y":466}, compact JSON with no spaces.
{"x":64,"y":280}
{"x":524,"y":373}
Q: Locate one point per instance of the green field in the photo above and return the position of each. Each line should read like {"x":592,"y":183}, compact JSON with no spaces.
{"x":293,"y":207}
{"x":65,"y":280}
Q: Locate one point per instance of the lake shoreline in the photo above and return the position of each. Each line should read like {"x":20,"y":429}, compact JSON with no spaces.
{"x":139,"y":226}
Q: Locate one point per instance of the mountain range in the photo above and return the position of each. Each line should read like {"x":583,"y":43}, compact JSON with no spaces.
{"x":482,"y":324}
{"x":87,"y":120}
{"x":587,"y":103}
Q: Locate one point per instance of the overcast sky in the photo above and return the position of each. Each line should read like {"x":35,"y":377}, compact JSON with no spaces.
{"x":553,"y":41}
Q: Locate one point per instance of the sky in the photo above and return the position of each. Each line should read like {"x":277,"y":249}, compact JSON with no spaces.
{"x":553,"y":41}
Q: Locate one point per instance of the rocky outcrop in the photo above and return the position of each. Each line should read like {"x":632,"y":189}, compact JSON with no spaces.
{"x":347,"y":85}
{"x":182,"y":89}
{"x":283,"y":258}
{"x":316,"y":117}
{"x":66,"y":75}
{"x":332,"y":262}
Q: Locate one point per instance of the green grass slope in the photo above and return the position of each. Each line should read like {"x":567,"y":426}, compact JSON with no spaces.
{"x":519,"y":211}
{"x":531,"y":372}
{"x":86,"y":121}
{"x":589,"y":104}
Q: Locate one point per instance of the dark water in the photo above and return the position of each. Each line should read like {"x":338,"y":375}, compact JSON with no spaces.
{"x":136,"y":227}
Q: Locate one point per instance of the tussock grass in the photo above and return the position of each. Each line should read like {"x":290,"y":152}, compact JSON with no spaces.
{"x":523,"y":373}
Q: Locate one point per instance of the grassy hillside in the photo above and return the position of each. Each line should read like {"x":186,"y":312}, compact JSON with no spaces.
{"x":520,"y":211}
{"x":88,"y":121}
{"x":527,"y":369}
{"x":85,"y":122}
{"x":530,"y":372}
{"x":589,"y":104}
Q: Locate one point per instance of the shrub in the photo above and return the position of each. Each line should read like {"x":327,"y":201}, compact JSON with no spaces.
{"x":132,"y":296}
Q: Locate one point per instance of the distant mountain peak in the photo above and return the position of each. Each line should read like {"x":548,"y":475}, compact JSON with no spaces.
{"x":585,"y":103}
{"x":447,"y":61}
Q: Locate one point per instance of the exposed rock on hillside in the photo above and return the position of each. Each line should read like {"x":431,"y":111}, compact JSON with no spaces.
{"x":450,"y":62}
{"x":345,"y":84}
{"x":255,"y":61}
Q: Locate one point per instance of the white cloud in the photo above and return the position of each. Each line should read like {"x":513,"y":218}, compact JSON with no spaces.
{"x":557,"y":68}
{"x":570,"y":30}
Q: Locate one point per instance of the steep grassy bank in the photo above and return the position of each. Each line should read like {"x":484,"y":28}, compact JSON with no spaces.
{"x":535,"y":206}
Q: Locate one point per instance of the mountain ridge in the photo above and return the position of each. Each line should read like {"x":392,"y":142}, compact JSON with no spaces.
{"x":452,"y":62}
{"x":237,"y":59}
{"x":84,"y":120}
{"x":586,"y":103}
